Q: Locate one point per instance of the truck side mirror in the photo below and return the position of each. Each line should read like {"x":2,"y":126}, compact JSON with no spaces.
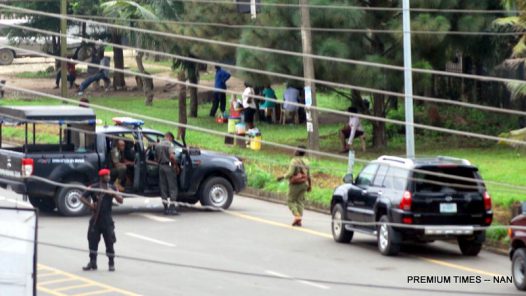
{"x":348,"y":179}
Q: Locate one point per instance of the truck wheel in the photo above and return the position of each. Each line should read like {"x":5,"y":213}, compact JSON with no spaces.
{"x":216,"y":192}
{"x":518,"y":268}
{"x":388,"y":238}
{"x":68,"y":201}
{"x":6,"y":57}
{"x":44,"y":204}
{"x":339,"y":233}
{"x":469,"y":247}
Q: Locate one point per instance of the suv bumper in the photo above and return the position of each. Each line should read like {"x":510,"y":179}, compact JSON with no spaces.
{"x":16,"y":186}
{"x":240,"y":180}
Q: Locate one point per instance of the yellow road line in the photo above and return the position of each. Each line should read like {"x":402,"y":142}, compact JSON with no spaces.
{"x":98,"y":292}
{"x":43,"y":275}
{"x":326,"y":235}
{"x":89,"y":281}
{"x":49,"y":291}
{"x":55,"y":281}
{"x":72,"y":287}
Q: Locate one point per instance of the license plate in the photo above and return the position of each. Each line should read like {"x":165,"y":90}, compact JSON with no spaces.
{"x":448,"y":208}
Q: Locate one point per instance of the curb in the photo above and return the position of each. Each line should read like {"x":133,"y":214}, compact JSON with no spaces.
{"x":279,"y":198}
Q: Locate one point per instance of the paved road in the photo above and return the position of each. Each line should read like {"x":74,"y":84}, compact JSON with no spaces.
{"x":250,"y":250}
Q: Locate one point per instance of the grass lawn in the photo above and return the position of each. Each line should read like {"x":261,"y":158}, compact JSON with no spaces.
{"x":496,"y":163}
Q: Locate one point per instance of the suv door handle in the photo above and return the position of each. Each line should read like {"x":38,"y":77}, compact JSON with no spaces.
{"x":380,"y":192}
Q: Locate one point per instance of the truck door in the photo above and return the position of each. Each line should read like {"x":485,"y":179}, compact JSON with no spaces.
{"x":357,"y":208}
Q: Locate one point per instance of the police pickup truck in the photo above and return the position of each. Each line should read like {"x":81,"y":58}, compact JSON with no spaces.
{"x":39,"y":170}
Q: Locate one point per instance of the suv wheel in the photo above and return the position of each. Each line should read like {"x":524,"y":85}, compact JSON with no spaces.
{"x":518,"y":268}
{"x":44,"y":204}
{"x":339,"y":233}
{"x":388,"y":238}
{"x":469,"y":246}
{"x":68,"y":201}
{"x":216,"y":192}
{"x":6,"y":57}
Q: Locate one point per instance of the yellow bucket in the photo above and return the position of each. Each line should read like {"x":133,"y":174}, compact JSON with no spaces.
{"x":232,"y":125}
{"x":255,"y":143}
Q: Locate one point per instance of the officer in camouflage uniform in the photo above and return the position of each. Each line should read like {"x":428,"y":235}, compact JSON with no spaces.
{"x":168,"y":170}
{"x":120,"y":165}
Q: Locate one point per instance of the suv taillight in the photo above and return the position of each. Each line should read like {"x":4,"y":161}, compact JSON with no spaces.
{"x":487,"y":201}
{"x":27,"y":167}
{"x":405,"y":203}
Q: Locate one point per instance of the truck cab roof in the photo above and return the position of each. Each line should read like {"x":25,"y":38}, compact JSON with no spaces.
{"x":23,"y":114}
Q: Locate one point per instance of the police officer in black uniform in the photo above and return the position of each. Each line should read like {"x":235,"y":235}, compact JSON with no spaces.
{"x":101,"y":222}
{"x":168,"y":171}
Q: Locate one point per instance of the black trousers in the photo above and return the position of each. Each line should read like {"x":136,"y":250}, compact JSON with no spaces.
{"x":107,"y":231}
{"x":219,"y":101}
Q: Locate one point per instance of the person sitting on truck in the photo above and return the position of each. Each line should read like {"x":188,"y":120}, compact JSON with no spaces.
{"x":120,"y":165}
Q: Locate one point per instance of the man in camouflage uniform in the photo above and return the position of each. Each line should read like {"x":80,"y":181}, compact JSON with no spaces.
{"x":168,"y":170}
{"x":120,"y":165}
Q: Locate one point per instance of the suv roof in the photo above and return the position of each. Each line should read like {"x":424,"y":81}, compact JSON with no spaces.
{"x":424,"y":161}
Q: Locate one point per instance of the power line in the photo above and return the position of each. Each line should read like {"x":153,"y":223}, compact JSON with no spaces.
{"x":271,"y":50}
{"x":369,"y":117}
{"x":313,"y":29}
{"x":288,"y":147}
{"x":286,"y":76}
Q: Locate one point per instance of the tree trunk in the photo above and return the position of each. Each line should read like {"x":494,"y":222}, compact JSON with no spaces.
{"x":118,"y":59}
{"x":193,"y":77}
{"x":147,"y":82}
{"x":183,"y":119}
{"x":379,"y":138}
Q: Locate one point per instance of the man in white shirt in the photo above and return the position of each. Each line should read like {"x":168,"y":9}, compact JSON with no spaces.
{"x":351,"y":131}
{"x":249,"y":106}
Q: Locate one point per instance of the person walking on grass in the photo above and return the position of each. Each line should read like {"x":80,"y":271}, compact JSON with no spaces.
{"x":300,"y":182}
{"x":353,"y":129}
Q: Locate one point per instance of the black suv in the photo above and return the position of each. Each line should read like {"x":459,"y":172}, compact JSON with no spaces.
{"x":443,"y":197}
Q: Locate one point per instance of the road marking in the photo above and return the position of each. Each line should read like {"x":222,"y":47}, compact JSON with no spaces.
{"x":56,"y":281}
{"x":98,"y":292}
{"x":91,"y":283}
{"x":152,"y":240}
{"x":156,"y":218}
{"x":284,"y":276}
{"x":326,"y":235}
{"x":40,"y":275}
{"x":72,"y":287}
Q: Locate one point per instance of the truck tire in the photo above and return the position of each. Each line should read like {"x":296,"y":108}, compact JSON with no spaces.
{"x":6,"y":56}
{"x":518,"y":268}
{"x":216,"y":192}
{"x":388,"y":238}
{"x":339,"y":233}
{"x":469,"y":246}
{"x":43,"y":204}
{"x":68,"y":201}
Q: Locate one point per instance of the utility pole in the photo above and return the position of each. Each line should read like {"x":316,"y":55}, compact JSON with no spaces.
{"x":308,"y":73}
{"x":408,"y":82}
{"x":63,"y":48}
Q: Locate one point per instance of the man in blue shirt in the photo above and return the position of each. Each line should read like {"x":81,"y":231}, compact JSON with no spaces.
{"x":220,"y":96}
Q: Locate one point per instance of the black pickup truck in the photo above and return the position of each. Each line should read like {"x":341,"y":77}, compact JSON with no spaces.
{"x":83,"y":148}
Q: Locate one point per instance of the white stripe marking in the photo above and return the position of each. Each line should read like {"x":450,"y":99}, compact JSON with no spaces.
{"x":298,"y":281}
{"x":156,"y":218}
{"x":149,"y":239}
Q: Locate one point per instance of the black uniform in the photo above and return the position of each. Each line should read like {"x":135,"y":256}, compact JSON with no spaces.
{"x":101,"y":223}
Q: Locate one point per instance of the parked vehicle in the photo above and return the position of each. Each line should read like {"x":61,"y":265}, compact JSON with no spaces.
{"x":518,"y":249}
{"x":413,"y":192}
{"x":83,"y":148}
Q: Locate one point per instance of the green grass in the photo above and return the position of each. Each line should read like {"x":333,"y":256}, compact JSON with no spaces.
{"x":34,"y":75}
{"x":496,"y":163}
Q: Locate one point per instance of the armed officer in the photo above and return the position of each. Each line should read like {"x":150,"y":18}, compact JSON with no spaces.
{"x":101,"y":222}
{"x":168,"y":171}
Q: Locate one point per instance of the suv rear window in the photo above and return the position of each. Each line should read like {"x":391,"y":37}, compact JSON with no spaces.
{"x":431,"y":183}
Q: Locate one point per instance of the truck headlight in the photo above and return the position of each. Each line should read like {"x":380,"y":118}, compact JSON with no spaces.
{"x":239,"y":165}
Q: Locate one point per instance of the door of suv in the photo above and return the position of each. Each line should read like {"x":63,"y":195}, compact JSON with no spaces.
{"x":358,"y":194}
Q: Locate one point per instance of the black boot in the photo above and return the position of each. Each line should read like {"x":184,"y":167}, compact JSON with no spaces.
{"x":90,"y":266}
{"x":111,"y":264}
{"x":172,"y":211}
{"x":166,"y":211}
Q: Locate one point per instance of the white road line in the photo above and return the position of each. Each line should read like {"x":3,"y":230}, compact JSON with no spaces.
{"x":156,"y":218}
{"x":149,"y":239}
{"x":319,"y":286}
